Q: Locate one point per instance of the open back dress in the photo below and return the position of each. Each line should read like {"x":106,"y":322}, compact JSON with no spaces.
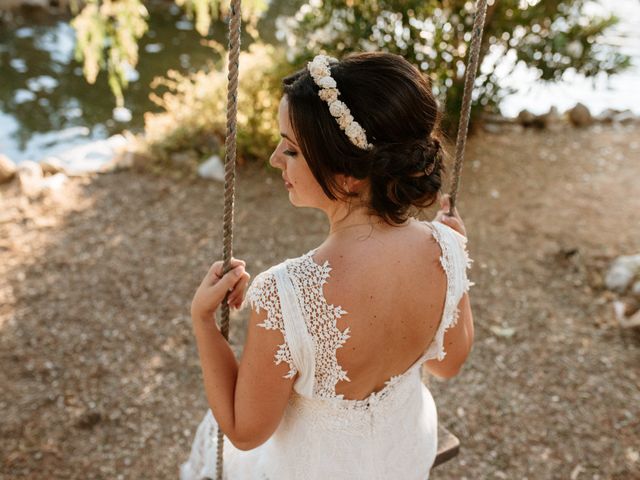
{"x":391,"y":434}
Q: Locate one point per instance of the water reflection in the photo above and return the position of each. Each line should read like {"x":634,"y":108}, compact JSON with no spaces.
{"x":46,"y":105}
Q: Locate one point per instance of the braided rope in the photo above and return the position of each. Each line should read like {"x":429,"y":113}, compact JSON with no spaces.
{"x":229,"y":178}
{"x":470,"y":77}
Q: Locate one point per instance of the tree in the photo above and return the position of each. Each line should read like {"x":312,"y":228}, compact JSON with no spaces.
{"x":551,"y":36}
{"x":108,"y":32}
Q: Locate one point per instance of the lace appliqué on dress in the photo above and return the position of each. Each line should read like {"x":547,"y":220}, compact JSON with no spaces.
{"x":321,"y":318}
{"x":451,"y":262}
{"x":263,"y":294}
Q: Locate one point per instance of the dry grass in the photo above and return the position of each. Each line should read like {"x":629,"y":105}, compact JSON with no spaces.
{"x":100,"y":377}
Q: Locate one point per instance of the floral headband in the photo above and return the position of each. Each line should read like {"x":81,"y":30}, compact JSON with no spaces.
{"x":319,"y":70}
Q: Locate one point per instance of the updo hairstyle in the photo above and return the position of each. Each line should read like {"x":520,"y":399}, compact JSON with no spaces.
{"x":393,"y":102}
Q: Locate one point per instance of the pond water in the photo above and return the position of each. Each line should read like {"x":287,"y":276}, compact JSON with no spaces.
{"x":46,"y":105}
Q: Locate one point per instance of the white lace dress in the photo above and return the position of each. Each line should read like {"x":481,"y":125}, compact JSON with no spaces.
{"x":392,"y":434}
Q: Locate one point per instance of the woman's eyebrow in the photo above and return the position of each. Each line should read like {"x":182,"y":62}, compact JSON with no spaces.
{"x":287,"y":137}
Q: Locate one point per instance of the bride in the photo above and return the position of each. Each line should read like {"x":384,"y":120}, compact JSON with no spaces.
{"x":329,"y":384}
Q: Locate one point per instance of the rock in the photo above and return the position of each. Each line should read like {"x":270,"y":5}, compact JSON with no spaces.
{"x":212,"y":169}
{"x":580,"y":116}
{"x":51,"y":166}
{"x":54,"y":182}
{"x":631,"y":321}
{"x":635,"y":289}
{"x":622,"y":272}
{"x":551,"y":119}
{"x":526,"y":118}
{"x":491,"y":128}
{"x":506,"y":332}
{"x":606,"y":116}
{"x":624,"y":117}
{"x":30,"y":177}
{"x":124,"y":160}
{"x":89,"y":419}
{"x":7,"y":169}
{"x":90,"y":157}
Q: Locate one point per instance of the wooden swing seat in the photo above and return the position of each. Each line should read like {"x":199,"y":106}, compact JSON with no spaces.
{"x":448,"y":446}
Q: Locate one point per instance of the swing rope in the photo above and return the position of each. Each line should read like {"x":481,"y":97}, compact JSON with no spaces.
{"x":470,"y":77}
{"x":229,"y":179}
{"x":230,"y":149}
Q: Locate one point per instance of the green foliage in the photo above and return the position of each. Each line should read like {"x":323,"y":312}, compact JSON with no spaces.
{"x":205,"y":11}
{"x":107,"y":38}
{"x":195,"y":107}
{"x":551,"y":36}
{"x":108,"y":32}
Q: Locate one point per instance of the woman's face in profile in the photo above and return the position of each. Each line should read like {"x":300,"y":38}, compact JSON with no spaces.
{"x":304,"y":190}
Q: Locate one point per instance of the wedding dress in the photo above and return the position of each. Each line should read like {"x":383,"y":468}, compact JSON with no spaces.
{"x":392,"y":434}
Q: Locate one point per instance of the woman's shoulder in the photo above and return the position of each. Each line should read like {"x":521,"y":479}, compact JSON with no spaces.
{"x":302,"y":268}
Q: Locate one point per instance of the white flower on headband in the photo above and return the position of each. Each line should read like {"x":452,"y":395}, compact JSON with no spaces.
{"x":338,"y":108}
{"x":345,"y":120}
{"x":319,"y":70}
{"x":328,"y":94}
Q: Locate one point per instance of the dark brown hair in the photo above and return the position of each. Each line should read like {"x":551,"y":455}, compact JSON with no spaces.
{"x":393,"y":102}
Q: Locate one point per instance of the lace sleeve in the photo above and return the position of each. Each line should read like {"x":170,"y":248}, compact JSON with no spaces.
{"x":455,"y":261}
{"x":463,"y":254}
{"x":263,"y":294}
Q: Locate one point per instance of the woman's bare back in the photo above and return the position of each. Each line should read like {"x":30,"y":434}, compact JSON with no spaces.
{"x":393,"y":287}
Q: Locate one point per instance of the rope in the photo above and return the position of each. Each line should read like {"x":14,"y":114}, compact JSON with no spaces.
{"x":229,"y":179}
{"x":230,"y":147}
{"x":470,"y":77}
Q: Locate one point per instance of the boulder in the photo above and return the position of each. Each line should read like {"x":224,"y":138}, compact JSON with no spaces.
{"x":622,"y":272}
{"x":626,"y":116}
{"x":580,"y":116}
{"x":526,"y":118}
{"x":51,"y":166}
{"x":551,"y":119}
{"x":606,"y":116}
{"x":30,"y":176}
{"x":212,"y":169}
{"x":7,"y":169}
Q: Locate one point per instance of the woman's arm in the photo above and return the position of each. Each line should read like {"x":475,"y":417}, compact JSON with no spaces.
{"x":457,"y":343}
{"x":247,"y":399}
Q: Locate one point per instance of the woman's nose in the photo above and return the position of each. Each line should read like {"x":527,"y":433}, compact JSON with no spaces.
{"x":273,"y":160}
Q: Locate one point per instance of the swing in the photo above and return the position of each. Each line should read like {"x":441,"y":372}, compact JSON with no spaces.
{"x":448,"y":444}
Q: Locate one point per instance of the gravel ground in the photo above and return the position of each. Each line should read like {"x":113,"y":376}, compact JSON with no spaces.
{"x":100,"y":377}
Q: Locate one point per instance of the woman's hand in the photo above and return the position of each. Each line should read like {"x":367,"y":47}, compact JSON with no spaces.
{"x":214,"y":287}
{"x":455,"y":221}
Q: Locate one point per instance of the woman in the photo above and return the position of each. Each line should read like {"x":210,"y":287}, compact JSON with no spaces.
{"x":329,"y":383}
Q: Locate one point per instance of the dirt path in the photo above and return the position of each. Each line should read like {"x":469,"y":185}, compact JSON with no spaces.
{"x":100,"y":377}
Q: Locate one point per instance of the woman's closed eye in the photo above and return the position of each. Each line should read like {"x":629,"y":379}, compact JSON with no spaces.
{"x":291,"y":153}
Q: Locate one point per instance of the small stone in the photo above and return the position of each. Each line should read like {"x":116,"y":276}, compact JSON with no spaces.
{"x":505,"y":332}
{"x":51,"y":166}
{"x":622,"y":272}
{"x":30,"y":176}
{"x":606,"y":116}
{"x":7,"y":169}
{"x":580,"y":116}
{"x":526,"y":118}
{"x":624,"y":117}
{"x":89,"y":419}
{"x":212,"y":169}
